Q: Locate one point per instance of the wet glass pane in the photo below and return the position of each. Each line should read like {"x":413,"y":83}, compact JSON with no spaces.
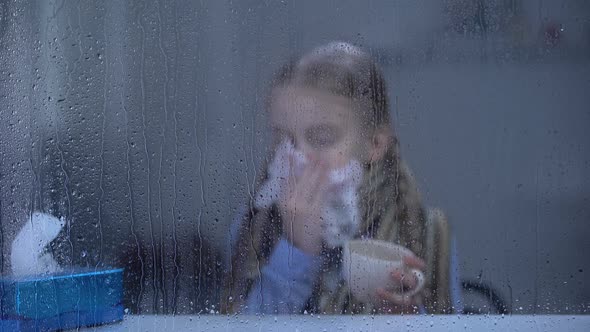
{"x":182,"y":159}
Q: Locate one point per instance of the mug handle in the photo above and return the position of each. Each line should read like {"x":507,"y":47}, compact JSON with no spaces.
{"x":421,"y":280}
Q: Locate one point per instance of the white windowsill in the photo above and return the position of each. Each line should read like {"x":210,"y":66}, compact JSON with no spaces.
{"x":244,"y":323}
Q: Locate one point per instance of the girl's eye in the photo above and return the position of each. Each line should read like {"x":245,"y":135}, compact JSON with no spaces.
{"x":322,"y":136}
{"x":280,"y":135}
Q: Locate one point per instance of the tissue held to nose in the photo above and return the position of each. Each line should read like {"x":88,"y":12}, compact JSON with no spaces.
{"x":340,"y":213}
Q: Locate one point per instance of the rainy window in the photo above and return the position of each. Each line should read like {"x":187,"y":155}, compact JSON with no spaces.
{"x":294,"y":159}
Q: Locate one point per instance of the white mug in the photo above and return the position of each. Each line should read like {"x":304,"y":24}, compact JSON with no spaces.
{"x":367,"y":266}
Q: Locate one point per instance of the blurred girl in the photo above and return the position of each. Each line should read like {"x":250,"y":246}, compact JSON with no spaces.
{"x":335,"y":175}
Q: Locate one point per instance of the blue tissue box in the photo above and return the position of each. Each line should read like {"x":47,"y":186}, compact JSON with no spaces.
{"x":82,"y":297}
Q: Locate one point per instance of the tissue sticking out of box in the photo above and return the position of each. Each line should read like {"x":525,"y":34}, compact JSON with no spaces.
{"x":28,"y":254}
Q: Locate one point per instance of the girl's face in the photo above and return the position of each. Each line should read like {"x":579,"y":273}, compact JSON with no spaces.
{"x":322,"y":126}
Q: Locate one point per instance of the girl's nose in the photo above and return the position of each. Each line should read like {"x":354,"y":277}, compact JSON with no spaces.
{"x":316,"y":160}
{"x":311,"y":156}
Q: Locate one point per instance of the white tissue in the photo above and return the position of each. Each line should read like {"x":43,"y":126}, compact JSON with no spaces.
{"x":28,"y":255}
{"x":340,"y":214}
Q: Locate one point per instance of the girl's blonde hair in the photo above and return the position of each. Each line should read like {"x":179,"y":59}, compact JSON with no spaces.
{"x":345,"y":70}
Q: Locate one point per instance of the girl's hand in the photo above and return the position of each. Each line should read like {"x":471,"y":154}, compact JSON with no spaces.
{"x":301,"y":204}
{"x":393,"y":301}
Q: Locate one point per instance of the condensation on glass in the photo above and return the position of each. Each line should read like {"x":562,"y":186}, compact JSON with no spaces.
{"x":142,"y":124}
